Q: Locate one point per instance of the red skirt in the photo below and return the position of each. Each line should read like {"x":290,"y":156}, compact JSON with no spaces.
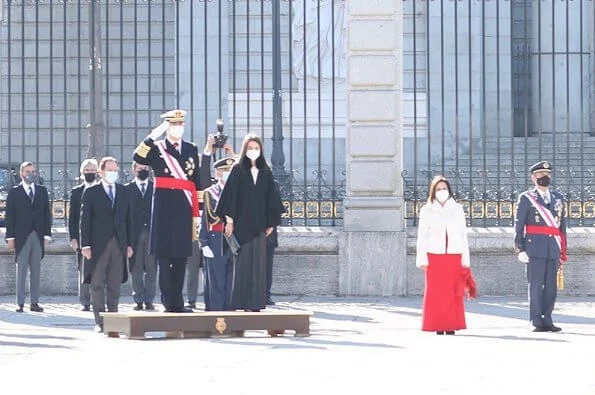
{"x":443,"y":306}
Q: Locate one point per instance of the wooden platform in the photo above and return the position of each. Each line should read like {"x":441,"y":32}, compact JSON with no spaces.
{"x":205,"y":324}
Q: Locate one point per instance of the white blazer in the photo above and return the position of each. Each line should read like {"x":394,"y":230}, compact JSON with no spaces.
{"x":435,"y":222}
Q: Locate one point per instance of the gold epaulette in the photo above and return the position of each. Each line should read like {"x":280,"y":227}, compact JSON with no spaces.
{"x":142,"y":150}
{"x":201,"y":196}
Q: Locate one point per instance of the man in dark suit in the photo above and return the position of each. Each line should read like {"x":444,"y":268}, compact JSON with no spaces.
{"x":106,"y":229}
{"x":540,"y":241}
{"x":143,"y":268}
{"x":175,"y":216}
{"x":28,"y":230}
{"x":89,"y":178}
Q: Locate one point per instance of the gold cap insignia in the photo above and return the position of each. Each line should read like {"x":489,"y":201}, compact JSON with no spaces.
{"x":546,"y":165}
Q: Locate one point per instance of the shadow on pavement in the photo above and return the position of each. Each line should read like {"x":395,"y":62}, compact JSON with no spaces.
{"x":33,"y":345}
{"x":516,"y":338}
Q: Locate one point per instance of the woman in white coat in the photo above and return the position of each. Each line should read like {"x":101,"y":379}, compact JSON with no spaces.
{"x":443,"y":253}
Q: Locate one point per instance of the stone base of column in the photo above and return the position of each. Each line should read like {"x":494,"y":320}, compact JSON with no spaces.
{"x":372,"y":263}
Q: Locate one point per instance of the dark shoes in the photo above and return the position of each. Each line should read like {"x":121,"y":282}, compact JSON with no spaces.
{"x":149,"y":306}
{"x":36,"y":308}
{"x":270,"y":301}
{"x":440,"y":332}
{"x":86,"y":307}
{"x":20,"y":308}
{"x":447,"y":332}
{"x":138,"y":307}
{"x":552,"y":328}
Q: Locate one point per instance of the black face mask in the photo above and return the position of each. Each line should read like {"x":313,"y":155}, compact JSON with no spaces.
{"x":544,"y":181}
{"x":90,"y":177}
{"x":143,"y":174}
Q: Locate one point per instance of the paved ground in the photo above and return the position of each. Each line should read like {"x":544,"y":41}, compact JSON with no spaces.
{"x":358,"y":345}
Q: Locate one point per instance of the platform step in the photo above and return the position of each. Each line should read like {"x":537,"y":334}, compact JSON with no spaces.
{"x":136,"y":325}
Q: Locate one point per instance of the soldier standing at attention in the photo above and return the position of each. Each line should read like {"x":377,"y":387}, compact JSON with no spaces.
{"x":175,"y":216}
{"x":540,"y":241}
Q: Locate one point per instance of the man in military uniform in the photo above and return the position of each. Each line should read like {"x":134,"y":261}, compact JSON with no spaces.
{"x":175,"y":216}
{"x":540,"y":241}
{"x":217,"y":256}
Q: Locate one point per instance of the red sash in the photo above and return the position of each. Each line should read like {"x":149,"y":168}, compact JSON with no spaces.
{"x":552,"y":227}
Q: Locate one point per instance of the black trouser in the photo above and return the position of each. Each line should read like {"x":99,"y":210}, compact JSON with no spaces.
{"x":171,"y":282}
{"x":270,"y":257}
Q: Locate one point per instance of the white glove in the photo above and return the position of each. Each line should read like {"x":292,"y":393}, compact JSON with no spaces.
{"x":159,"y":130}
{"x":523,"y":257}
{"x":207,"y":252}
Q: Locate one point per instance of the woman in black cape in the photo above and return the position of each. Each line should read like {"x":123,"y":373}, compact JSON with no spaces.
{"x":250,"y":207}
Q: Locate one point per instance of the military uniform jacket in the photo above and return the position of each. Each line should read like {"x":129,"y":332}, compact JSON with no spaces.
{"x":171,"y":222}
{"x":208,"y":237}
{"x":538,"y":245}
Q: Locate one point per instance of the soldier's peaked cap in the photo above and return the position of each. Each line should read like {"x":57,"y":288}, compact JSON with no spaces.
{"x":223,"y":163}
{"x":174,"y":115}
{"x":543,"y":165}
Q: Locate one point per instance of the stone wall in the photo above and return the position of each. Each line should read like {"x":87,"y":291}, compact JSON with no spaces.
{"x":307,"y":263}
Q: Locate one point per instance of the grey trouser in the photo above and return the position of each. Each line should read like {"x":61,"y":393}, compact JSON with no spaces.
{"x":143,"y":270}
{"x":29,"y":258}
{"x":193,"y":273}
{"x":84,"y":289}
{"x":108,"y":274}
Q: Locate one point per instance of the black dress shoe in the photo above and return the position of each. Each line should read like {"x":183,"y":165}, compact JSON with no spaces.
{"x":186,"y":310}
{"x":450,"y":332}
{"x":149,"y":306}
{"x":553,"y":328}
{"x":270,"y":301}
{"x":138,"y":307}
{"x":440,"y":332}
{"x":86,"y":307}
{"x":19,"y":309}
{"x":540,"y":329}
{"x":37,"y":308}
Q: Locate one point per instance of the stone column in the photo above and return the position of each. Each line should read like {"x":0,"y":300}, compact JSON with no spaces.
{"x":372,"y":249}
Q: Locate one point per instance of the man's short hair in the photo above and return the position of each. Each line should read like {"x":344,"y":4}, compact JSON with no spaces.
{"x":106,"y":159}
{"x":25,"y":164}
{"x":87,"y":162}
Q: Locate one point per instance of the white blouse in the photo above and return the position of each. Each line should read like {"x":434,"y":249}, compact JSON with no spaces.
{"x":435,"y":223}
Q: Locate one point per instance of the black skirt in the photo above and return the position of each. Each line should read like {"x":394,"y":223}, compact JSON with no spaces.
{"x":248,"y":290}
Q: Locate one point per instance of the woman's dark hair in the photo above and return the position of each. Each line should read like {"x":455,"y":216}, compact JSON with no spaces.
{"x":434,"y":184}
{"x":246,"y":163}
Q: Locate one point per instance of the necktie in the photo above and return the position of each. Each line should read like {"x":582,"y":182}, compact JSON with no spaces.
{"x":176,"y":145}
{"x":110,"y":193}
{"x":142,"y":189}
{"x":31,"y":194}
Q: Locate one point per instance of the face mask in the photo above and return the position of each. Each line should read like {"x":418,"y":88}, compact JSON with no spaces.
{"x":176,"y":131}
{"x":253,"y":154}
{"x":442,"y":195}
{"x":225,"y":176}
{"x":143,"y":174}
{"x":29,"y":178}
{"x":111,"y":177}
{"x":90,"y":177}
{"x":544,"y":181}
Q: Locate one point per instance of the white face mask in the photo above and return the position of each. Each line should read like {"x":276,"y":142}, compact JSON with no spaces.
{"x":253,"y":154}
{"x":111,"y":176}
{"x":442,"y":195}
{"x":176,"y":131}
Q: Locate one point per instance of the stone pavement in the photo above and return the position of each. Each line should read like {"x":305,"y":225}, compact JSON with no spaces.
{"x":358,"y":345}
